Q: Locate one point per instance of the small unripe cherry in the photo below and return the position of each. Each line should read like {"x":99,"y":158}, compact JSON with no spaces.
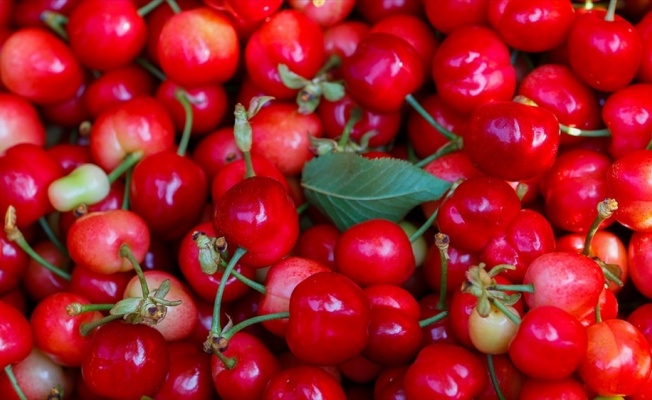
{"x":87,"y":184}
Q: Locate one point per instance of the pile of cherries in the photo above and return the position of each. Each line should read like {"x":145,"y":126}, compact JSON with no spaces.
{"x":159,"y":241}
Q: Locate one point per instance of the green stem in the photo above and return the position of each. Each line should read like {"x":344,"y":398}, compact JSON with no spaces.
{"x":55,"y":21}
{"x":354,"y":117}
{"x":22,"y":243}
{"x":174,"y":6}
{"x":332,"y":62}
{"x":125,"y":251}
{"x":249,"y":166}
{"x":598,"y":313}
{"x":529,"y":288}
{"x":229,"y":363}
{"x":151,"y":68}
{"x":431,"y":320}
{"x":508,"y":313}
{"x":611,"y":11}
{"x":149,"y":7}
{"x":254,"y":320}
{"x":73,"y":309}
{"x":249,"y":282}
{"x":423,"y":228}
{"x":443,"y":150}
{"x":87,"y":327}
{"x":14,"y":383}
{"x":612,"y":278}
{"x":442,"y":241}
{"x":129,"y":161}
{"x":182,"y":97}
{"x":216,"y":326}
{"x":415,"y":104}
{"x":127,"y":193}
{"x":53,"y":238}
{"x":494,"y":378}
{"x":606,"y":208}
{"x":302,"y":208}
{"x":584,"y":133}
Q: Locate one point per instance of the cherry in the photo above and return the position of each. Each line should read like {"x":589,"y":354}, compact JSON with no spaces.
{"x":70,"y":156}
{"x":57,"y":75}
{"x":382,"y":71}
{"x":510,"y":379}
{"x":359,"y":369}
{"x":157,"y":18}
{"x":343,"y":312}
{"x":342,"y":39}
{"x":326,"y":14}
{"x":134,"y":355}
{"x":215,"y":150}
{"x":14,"y":263}
{"x":394,"y":337}
{"x":235,"y":171}
{"x":19,"y":122}
{"x":318,"y":243}
{"x":440,"y":331}
{"x":189,"y":376}
{"x":375,"y":10}
{"x":569,"y":388}
{"x":197,"y":47}
{"x":627,"y":115}
{"x":106,"y":35}
{"x":644,"y":29}
{"x":17,"y":339}
{"x":638,"y":253}
{"x":98,"y":287}
{"x":302,"y":381}
{"x":472,"y":67}
{"x":251,"y":10}
{"x":511,"y":140}
{"x":39,"y":282}
{"x":28,"y":13}
{"x":395,"y":297}
{"x":628,"y":181}
{"x":38,"y":378}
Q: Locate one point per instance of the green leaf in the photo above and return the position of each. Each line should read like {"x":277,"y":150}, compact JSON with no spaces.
{"x":351,"y":189}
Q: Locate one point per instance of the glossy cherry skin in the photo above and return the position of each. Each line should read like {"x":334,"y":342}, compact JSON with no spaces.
{"x":17,"y":339}
{"x":449,"y":15}
{"x":235,"y":171}
{"x":70,"y":156}
{"x":189,"y":376}
{"x":215,"y":150}
{"x":202,"y":284}
{"x":335,"y":115}
{"x":394,"y":337}
{"x":629,"y":181}
{"x":289,"y":37}
{"x":255,"y":366}
{"x":618,"y":359}
{"x":567,"y":389}
{"x":627,"y":114}
{"x":318,"y":243}
{"x":457,"y":264}
{"x":511,"y":140}
{"x":136,"y":356}
{"x":40,"y":67}
{"x":140,"y":124}
{"x":97,"y":287}
{"x":168,"y":191}
{"x":438,"y":332}
{"x":472,"y":67}
{"x":116,"y":86}
{"x":280,"y":281}
{"x":570,"y":281}
{"x":106,"y":35}
{"x":14,"y":263}
{"x":327,"y":14}
{"x":510,"y":379}
{"x":329,"y":319}
{"x":19,"y":122}
{"x":478,"y":210}
{"x":39,"y":282}
{"x":207,"y":51}
{"x":644,"y":29}
{"x":373,"y":252}
{"x":573,"y":187}
{"x":36,"y":375}
{"x":27,"y":171}
{"x":444,"y":370}
{"x":342,"y":39}
{"x":258,"y":215}
{"x":549,"y":344}
{"x":638,"y":252}
{"x":250,"y":10}
{"x":395,"y":297}
{"x":58,"y":333}
{"x":303,"y":382}
{"x":28,"y":13}
{"x":382,"y":71}
{"x":601,"y":66}
{"x":375,"y":10}
{"x":533,"y":26}
{"x":641,"y":319}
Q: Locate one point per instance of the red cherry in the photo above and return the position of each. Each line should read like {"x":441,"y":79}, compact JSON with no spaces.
{"x":318,"y":243}
{"x":308,"y":381}
{"x":627,"y":114}
{"x":189,"y":376}
{"x":28,"y":13}
{"x":375,"y":10}
{"x":97,"y":287}
{"x":449,"y":15}
{"x":628,"y":180}
{"x":20,"y":122}
{"x":14,"y":263}
{"x":251,"y":10}
{"x":644,"y":28}
{"x":16,"y":342}
{"x":235,"y":171}
{"x":215,"y":150}
{"x":342,"y":39}
{"x":39,"y":282}
{"x":394,"y":337}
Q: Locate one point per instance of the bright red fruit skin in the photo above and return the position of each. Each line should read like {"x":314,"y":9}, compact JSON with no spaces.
{"x":38,"y":66}
{"x":14,"y":263}
{"x":329,"y":319}
{"x":567,"y":389}
{"x":235,"y":171}
{"x":472,"y":67}
{"x":19,"y":122}
{"x":16,"y":339}
{"x":189,"y":376}
{"x":26,"y":171}
{"x":255,"y":365}
{"x":106,"y":34}
{"x":629,"y":180}
{"x":511,"y":140}
{"x":394,"y":337}
{"x":618,"y":359}
{"x":303,"y":382}
{"x":628,"y":115}
{"x":549,"y":344}
{"x":288,"y":37}
{"x":639,"y":252}
{"x":449,"y":15}
{"x":126,"y":361}
{"x":594,"y":60}
{"x":258,"y":215}
{"x":197,"y":47}
{"x":383,"y":70}
{"x":373,"y":252}
{"x":444,"y":371}
{"x":644,"y":28}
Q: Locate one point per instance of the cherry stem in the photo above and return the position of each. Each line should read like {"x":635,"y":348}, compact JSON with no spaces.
{"x":22,"y":243}
{"x":529,"y":288}
{"x":302,"y":208}
{"x":254,"y":320}
{"x":249,"y":282}
{"x":584,"y":133}
{"x":126,"y":194}
{"x":216,"y":327}
{"x":443,"y":150}
{"x":74,"y":309}
{"x":611,"y":10}
{"x":494,"y":378}
{"x":332,"y":62}
{"x":424,"y":227}
{"x":87,"y":327}
{"x":598,"y":313}
{"x":149,"y":7}
{"x":55,"y":21}
{"x":125,"y":252}
{"x":53,"y":238}
{"x":229,"y":363}
{"x":174,"y":6}
{"x":415,"y":104}
{"x":182,"y":97}
{"x":129,"y":161}
{"x":151,"y":68}
{"x":442,"y":241}
{"x":612,"y":278}
{"x":508,"y":313}
{"x":431,"y":320}
{"x":354,"y":117}
{"x":606,"y":208}
{"x":14,"y":383}
{"x":249,"y":166}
